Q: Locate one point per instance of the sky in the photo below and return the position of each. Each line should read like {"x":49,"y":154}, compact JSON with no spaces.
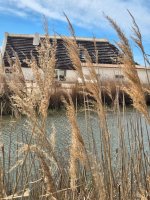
{"x":86,"y":16}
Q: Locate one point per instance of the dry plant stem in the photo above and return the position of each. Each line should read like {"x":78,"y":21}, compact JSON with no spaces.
{"x":17,"y":82}
{"x":1,"y":183}
{"x":24,"y":160}
{"x":77,"y":145}
{"x":73,"y":52}
{"x":134,"y":89}
{"x":46,"y":171}
{"x":137,"y":38}
{"x":2,"y":77}
{"x":32,"y":164}
{"x":94,"y":91}
{"x":44,"y":79}
{"x":71,"y":29}
{"x":91,"y":174}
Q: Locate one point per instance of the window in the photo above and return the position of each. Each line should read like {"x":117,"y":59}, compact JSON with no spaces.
{"x":60,"y":74}
{"x":119,"y":76}
{"x":8,"y":70}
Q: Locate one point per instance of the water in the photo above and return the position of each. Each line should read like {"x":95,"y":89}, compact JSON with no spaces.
{"x":14,"y":133}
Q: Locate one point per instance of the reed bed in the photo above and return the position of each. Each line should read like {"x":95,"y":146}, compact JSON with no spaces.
{"x":88,"y":167}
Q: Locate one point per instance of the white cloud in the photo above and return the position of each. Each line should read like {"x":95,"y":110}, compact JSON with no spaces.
{"x":13,"y":11}
{"x":85,"y":13}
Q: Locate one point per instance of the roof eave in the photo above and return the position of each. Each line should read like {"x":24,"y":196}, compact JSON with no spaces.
{"x":58,"y":37}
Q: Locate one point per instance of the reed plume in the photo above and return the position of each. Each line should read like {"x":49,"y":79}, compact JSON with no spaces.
{"x":77,"y":148}
{"x":101,"y":164}
{"x":134,"y":88}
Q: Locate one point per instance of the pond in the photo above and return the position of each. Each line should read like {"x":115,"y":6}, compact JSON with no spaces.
{"x":15,"y":132}
{"x":126,"y":129}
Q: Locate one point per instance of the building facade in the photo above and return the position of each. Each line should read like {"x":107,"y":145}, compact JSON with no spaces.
{"x":104,"y":57}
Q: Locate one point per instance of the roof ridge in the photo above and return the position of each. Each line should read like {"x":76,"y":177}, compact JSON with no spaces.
{"x":58,"y":37}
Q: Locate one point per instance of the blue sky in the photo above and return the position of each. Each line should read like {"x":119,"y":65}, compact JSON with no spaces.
{"x":25,"y":16}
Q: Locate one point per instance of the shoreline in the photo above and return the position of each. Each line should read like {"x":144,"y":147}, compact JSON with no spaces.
{"x":109,"y":98}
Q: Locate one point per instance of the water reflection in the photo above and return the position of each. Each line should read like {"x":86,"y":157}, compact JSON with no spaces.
{"x":15,"y":132}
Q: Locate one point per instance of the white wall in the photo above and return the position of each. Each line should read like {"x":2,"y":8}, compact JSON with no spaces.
{"x":110,"y":73}
{"x":144,"y":75}
{"x":28,"y":74}
{"x":71,"y":75}
{"x":106,"y":73}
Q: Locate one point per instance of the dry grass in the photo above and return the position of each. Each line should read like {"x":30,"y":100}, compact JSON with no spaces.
{"x":84,"y":170}
{"x":134,"y":88}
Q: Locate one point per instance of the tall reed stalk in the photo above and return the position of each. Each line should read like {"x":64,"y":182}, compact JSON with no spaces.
{"x":92,"y":166}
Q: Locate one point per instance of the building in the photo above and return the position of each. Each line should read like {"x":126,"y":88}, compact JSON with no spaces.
{"x":104,"y":56}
